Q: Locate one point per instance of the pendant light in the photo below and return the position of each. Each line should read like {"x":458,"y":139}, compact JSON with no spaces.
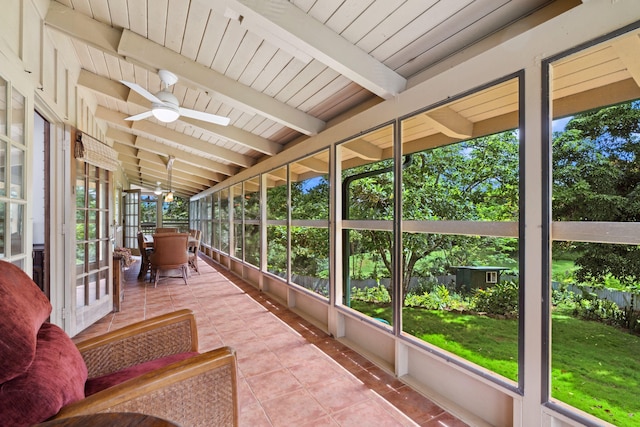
{"x":169,"y":197}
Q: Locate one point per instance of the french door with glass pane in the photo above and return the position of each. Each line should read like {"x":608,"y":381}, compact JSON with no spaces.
{"x":93,"y":297}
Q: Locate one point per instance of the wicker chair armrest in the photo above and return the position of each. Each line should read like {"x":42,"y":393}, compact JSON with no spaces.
{"x":199,"y":391}
{"x":140,"y":342}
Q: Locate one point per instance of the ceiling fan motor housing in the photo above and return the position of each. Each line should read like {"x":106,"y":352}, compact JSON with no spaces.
{"x":168,"y":110}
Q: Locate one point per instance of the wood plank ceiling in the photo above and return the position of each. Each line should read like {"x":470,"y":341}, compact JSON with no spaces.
{"x":280,"y":70}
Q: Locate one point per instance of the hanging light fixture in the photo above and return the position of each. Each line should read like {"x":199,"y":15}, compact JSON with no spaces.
{"x":169,"y":197}
{"x":158,"y":190}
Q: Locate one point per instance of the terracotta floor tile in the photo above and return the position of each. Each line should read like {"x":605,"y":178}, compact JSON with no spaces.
{"x":379,"y":380}
{"x":253,"y":415}
{"x":259,"y":363}
{"x":272,"y":384}
{"x":413,"y":404}
{"x":339,"y":394}
{"x":321,"y":422}
{"x":293,"y":409}
{"x":366,"y":414}
{"x":315,"y":370}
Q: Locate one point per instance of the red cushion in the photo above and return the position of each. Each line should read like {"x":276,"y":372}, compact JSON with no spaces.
{"x":23,"y":308}
{"x":97,"y":384}
{"x":55,"y":378}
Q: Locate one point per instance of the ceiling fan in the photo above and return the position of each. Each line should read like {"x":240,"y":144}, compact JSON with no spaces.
{"x":165,"y":106}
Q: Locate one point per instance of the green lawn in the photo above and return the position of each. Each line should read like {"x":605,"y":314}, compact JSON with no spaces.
{"x":595,"y":367}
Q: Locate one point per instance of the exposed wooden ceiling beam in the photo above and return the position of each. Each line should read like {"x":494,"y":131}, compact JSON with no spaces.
{"x":180,"y":139}
{"x":138,"y":143}
{"x":158,"y":173}
{"x":314,"y":165}
{"x":364,"y":149}
{"x":450,"y":123}
{"x":627,"y":48}
{"x":117,"y":119}
{"x":284,"y":21}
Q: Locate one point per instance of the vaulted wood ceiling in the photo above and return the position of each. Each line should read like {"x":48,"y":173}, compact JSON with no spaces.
{"x":280,"y":70}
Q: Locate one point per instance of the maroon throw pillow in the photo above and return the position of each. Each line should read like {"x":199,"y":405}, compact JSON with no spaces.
{"x":56,"y":378}
{"x":23,"y":308}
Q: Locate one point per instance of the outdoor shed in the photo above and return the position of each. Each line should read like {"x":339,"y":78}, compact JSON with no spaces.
{"x":474,"y":277}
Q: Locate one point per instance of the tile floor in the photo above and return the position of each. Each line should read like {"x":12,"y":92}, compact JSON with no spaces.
{"x":290,"y":372}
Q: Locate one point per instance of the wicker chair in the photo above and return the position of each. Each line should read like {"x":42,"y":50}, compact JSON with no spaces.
{"x":200,"y":390}
{"x":169,"y":253}
{"x":151,"y":367}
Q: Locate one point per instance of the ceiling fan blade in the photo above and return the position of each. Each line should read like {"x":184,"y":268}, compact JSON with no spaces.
{"x":200,"y":115}
{"x":142,"y":91}
{"x":140,"y":116}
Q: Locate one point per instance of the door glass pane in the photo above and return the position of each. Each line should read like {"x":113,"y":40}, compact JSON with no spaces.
{"x":17,"y":229}
{"x":131,"y":219}
{"x":104,"y":225}
{"x":104,"y":252}
{"x":92,"y":225}
{"x":80,"y":225}
{"x":17,"y":116}
{"x":17,"y":173}
{"x":80,"y":255}
{"x":80,"y":291}
{"x":3,"y":229}
{"x":92,"y":194}
{"x":3,"y":168}
{"x":3,"y":106}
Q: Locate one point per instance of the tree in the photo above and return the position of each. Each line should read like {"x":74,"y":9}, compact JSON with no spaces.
{"x":595,"y":178}
{"x":474,"y":180}
{"x":176,"y":210}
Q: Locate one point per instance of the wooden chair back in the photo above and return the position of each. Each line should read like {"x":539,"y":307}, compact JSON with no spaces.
{"x":169,"y":250}
{"x":167,"y":230}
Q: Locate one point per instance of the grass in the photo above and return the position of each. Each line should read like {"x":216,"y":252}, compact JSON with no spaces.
{"x":595,"y":367}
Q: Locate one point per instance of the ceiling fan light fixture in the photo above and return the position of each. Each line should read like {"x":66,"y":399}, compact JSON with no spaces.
{"x":165,"y":113}
{"x":158,"y":190}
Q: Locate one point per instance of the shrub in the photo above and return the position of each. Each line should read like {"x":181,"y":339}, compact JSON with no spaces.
{"x":438,"y":299}
{"x":590,"y":307}
{"x":563,"y":297}
{"x":500,"y":299}
{"x":378,"y":294}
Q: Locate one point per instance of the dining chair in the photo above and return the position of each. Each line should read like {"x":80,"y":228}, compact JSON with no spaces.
{"x":167,"y":230}
{"x":169,"y":253}
{"x":145,"y":252}
{"x":194,"y":247}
